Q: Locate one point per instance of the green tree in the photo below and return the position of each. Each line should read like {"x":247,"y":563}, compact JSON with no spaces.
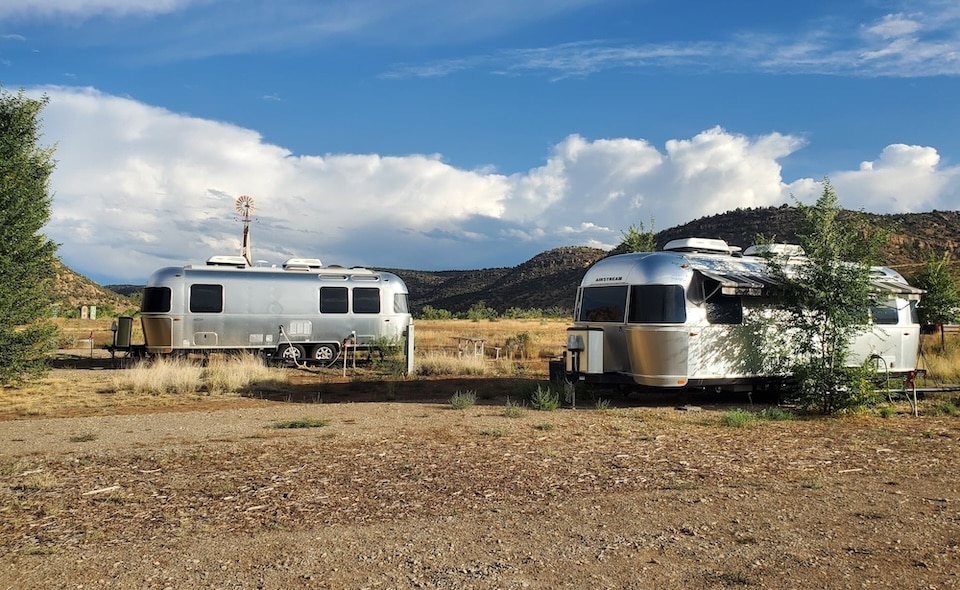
{"x":637,"y":238}
{"x":26,"y":255}
{"x":431,"y":313}
{"x":941,"y":302}
{"x":827,"y":298}
{"x":479,"y":311}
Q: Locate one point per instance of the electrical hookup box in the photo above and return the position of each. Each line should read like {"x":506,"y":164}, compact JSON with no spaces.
{"x":584,"y":353}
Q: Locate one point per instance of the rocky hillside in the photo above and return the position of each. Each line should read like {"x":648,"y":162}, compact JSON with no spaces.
{"x":72,"y":291}
{"x":549,"y":280}
{"x":913,"y":237}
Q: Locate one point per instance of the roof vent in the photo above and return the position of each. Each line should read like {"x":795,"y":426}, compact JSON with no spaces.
{"x":302,"y":264}
{"x":704,"y":245}
{"x":234,"y":261}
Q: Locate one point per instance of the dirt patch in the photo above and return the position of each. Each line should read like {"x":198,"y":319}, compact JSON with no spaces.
{"x":391,"y":488}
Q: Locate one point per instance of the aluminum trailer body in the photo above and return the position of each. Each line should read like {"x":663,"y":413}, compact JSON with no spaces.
{"x":298,"y":311}
{"x":683,"y":318}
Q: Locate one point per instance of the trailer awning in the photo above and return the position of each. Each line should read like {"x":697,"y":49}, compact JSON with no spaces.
{"x":897,"y":288}
{"x":740,"y":283}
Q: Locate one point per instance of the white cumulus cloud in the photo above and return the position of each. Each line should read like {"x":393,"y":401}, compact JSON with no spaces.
{"x":138,"y":187}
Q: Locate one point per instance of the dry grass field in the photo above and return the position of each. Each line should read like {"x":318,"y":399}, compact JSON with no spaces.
{"x":243,"y":476}
{"x":517,"y":338}
{"x":85,"y":381}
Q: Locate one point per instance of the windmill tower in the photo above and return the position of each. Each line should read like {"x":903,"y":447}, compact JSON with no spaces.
{"x":245,"y":206}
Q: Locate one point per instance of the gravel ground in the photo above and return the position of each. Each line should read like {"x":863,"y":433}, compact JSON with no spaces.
{"x":418,"y":495}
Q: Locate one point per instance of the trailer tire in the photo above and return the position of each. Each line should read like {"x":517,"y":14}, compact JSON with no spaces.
{"x":292,"y":353}
{"x":324,"y":353}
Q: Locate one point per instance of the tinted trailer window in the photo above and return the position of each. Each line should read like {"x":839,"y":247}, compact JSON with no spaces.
{"x":603,"y":304}
{"x":366,"y":300}
{"x":206,"y":298}
{"x":156,"y":300}
{"x":333,"y":300}
{"x":657,"y":304}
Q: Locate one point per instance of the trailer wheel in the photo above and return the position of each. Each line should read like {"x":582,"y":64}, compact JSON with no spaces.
{"x":293,"y":353}
{"x":324,"y":353}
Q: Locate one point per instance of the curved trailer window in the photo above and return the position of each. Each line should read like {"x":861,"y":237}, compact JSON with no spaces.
{"x":156,"y":300}
{"x":603,"y":304}
{"x":657,"y":304}
{"x":400,"y":303}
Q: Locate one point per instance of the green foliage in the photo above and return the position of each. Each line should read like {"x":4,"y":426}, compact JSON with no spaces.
{"x":518,"y":345}
{"x":513,"y":409}
{"x":386,"y":352}
{"x":431,"y":313}
{"x":479,"y":311}
{"x":517,"y":313}
{"x":26,"y":255}
{"x":637,"y":238}
{"x":462,"y":400}
{"x":544,"y":399}
{"x":825,"y":304}
{"x":831,"y":389}
{"x":946,"y":408}
{"x":941,"y":302}
{"x":775,"y":414}
{"x":737,"y":418}
{"x":557,"y":312}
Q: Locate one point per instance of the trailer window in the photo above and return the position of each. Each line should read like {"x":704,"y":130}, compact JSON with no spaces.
{"x":885,"y":314}
{"x":724,"y":309}
{"x":657,"y":304}
{"x":366,"y":300}
{"x":603,"y":304}
{"x":400,"y":304}
{"x":333,"y":300}
{"x":206,"y":298}
{"x":156,"y":300}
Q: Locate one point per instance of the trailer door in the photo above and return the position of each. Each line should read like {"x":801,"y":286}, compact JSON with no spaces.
{"x":206,"y":314}
{"x":720,"y":349}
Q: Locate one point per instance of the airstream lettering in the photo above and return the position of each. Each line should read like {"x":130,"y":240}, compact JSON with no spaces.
{"x":682,"y":318}
{"x":302,"y":311}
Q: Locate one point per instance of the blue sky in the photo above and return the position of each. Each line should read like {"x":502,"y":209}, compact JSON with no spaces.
{"x":445,"y":134}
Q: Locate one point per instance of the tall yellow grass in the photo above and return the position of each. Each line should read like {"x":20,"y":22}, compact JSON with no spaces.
{"x":942,"y":363}
{"x":437,"y":363}
{"x":178,"y":375}
{"x":516,"y":339}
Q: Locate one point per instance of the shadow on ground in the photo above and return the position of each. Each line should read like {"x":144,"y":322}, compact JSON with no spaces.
{"x":494,"y":391}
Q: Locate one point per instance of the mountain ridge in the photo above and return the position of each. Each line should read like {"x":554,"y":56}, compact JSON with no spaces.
{"x":549,"y":280}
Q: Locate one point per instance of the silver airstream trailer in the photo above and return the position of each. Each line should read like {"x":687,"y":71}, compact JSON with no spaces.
{"x":681,"y":318}
{"x":300,"y":311}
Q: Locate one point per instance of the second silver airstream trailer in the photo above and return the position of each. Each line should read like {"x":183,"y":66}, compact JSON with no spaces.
{"x":300,"y":311}
{"x":680,"y":318}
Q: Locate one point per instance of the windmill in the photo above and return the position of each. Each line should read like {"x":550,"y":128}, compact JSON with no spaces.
{"x":245,"y":206}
